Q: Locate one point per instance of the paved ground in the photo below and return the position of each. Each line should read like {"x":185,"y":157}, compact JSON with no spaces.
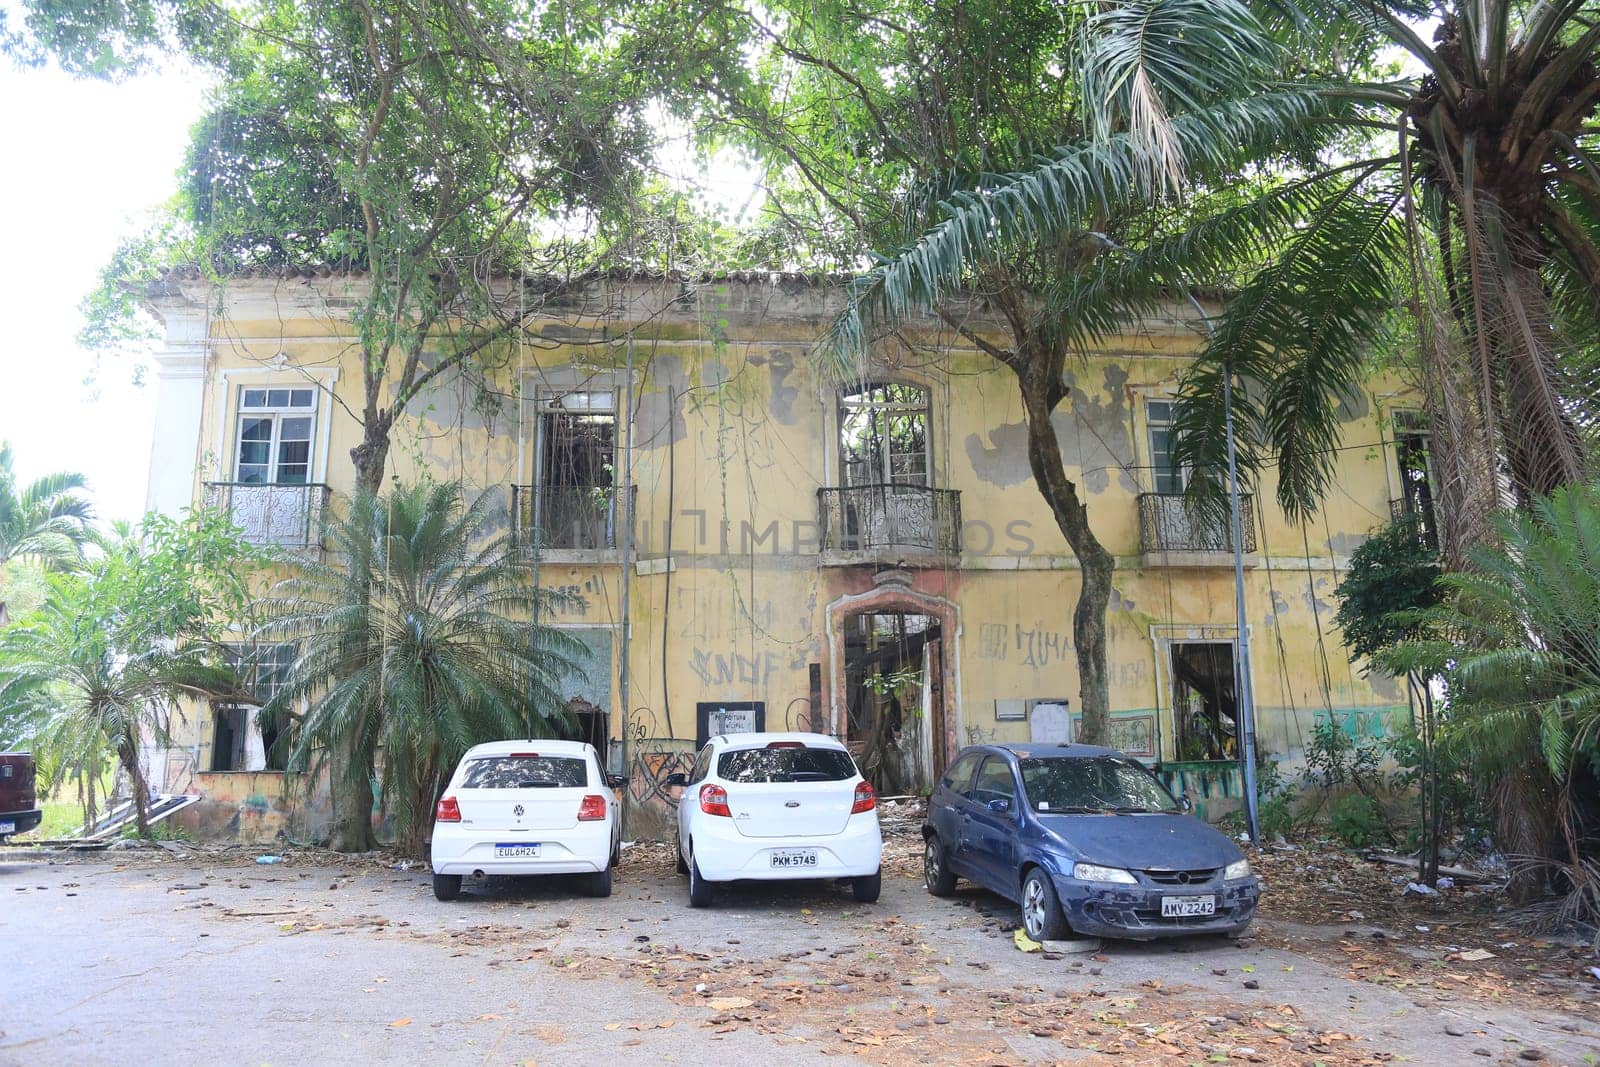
{"x":147,"y":959}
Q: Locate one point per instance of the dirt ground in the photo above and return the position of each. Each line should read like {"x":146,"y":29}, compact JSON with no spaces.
{"x":156,"y":957}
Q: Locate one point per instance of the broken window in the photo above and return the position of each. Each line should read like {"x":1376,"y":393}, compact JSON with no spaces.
{"x":1411,"y":449}
{"x":241,"y":741}
{"x":1204,"y":701}
{"x":575,"y":504}
{"x":883,"y":435}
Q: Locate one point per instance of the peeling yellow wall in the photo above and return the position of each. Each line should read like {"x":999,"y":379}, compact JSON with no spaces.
{"x":732,"y":436}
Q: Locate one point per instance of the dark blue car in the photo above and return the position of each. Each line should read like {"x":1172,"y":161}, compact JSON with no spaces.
{"x":1085,"y":840}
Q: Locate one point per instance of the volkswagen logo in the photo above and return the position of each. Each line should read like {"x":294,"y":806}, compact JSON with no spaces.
{"x":792,"y":804}
{"x":517,"y":811}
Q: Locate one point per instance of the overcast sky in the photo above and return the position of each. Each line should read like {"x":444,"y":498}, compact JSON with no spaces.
{"x":87,"y":161}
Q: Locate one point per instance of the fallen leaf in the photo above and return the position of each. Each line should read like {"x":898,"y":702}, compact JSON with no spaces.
{"x":1477,"y":954}
{"x":401,"y":1022}
{"x":729,"y":1003}
{"x":613,"y":1026}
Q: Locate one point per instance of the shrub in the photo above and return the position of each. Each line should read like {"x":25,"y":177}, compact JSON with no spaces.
{"x":1358,"y":821}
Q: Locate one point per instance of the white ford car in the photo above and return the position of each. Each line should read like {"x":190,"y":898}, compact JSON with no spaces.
{"x":777,"y":806}
{"x":527,"y":807}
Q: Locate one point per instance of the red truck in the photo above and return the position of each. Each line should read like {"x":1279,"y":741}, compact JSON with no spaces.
{"x":19,"y":807}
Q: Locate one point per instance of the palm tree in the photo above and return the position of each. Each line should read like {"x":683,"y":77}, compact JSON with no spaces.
{"x":1462,"y":188}
{"x":45,"y":519}
{"x":64,"y":669}
{"x":414,"y":637}
{"x":1518,"y":645}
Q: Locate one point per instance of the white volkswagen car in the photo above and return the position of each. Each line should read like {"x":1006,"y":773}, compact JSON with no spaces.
{"x":777,"y":806}
{"x":527,"y":807}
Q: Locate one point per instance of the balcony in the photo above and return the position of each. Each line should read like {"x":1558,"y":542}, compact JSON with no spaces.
{"x":1174,"y":532}
{"x":573,"y":518}
{"x":889,"y":520}
{"x":289,"y":516}
{"x":1419,"y":512}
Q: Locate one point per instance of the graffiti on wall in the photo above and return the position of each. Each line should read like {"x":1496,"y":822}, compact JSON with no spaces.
{"x":1034,"y":646}
{"x":733,"y":668}
{"x":1133,"y":734}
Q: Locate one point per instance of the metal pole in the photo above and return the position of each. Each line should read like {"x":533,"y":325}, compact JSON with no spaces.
{"x":627,"y":565}
{"x":1243,"y":691}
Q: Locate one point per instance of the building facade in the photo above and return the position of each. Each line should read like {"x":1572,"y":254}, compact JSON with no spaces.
{"x":871,"y":560}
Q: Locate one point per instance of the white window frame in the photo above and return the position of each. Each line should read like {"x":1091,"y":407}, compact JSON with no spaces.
{"x":277,"y":414}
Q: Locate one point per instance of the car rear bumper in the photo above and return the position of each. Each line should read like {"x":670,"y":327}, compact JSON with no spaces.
{"x":725,"y":855}
{"x":21,"y":821}
{"x":584,"y":850}
{"x":1134,"y":912}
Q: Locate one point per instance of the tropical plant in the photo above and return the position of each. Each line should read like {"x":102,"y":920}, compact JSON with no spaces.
{"x":416,"y":637}
{"x":46,"y":519}
{"x":99,"y":668}
{"x":1518,"y":645}
{"x":1460,"y":187}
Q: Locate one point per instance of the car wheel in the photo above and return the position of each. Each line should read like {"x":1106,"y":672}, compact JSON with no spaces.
{"x":616,"y":853}
{"x":699,"y":888}
{"x":936,"y":872}
{"x":600,"y":883}
{"x":867,"y":889}
{"x":1041,"y":910}
{"x":446,"y":886}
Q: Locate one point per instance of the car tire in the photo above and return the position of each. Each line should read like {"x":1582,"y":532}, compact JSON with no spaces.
{"x":936,"y":872}
{"x":616,"y":853}
{"x":1042,"y":919}
{"x":867,"y":888}
{"x":600,"y":883}
{"x":446,"y":886}
{"x":699,"y":888}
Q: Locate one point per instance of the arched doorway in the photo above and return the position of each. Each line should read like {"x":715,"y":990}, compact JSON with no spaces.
{"x":893,"y":695}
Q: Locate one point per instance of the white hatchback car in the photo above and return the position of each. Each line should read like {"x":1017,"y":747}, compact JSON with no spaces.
{"x":527,"y":807}
{"x":777,"y":806}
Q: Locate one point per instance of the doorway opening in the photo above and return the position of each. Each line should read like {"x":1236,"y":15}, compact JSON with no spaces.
{"x":1204,"y":700}
{"x":894,"y":700}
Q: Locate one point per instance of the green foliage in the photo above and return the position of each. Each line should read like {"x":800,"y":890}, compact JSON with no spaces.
{"x":46,"y":520}
{"x":1335,"y":758}
{"x":1464,"y":816}
{"x":1392,"y":576}
{"x":415,"y":635}
{"x":1357,"y":820}
{"x":98,"y":667}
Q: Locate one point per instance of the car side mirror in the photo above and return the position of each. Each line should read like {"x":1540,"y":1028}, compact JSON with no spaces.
{"x":617,"y":781}
{"x":1185,"y":804}
{"x":679,"y":780}
{"x":1000,"y":805}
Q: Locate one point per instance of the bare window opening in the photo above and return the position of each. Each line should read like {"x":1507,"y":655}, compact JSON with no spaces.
{"x":892,"y":666}
{"x":883,"y":435}
{"x":574,"y":503}
{"x":1412,"y":455}
{"x":238,"y":741}
{"x":1204,"y":701}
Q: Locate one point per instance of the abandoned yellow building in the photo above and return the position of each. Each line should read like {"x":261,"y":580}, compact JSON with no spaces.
{"x":872,"y":560}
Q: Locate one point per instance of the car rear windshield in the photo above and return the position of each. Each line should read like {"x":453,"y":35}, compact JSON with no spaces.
{"x":526,"y":772}
{"x":786,"y":765}
{"x":1096,"y":784}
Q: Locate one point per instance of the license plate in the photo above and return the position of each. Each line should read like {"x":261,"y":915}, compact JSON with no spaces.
{"x":528,"y":851}
{"x":795,"y":857}
{"x":8,"y":827}
{"x":1183,"y":907}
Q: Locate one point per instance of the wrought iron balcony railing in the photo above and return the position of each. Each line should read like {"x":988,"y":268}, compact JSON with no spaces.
{"x":578,"y":517}
{"x":1170,"y":522}
{"x":868,"y":518}
{"x":290,"y":516}
{"x":1420,"y":513}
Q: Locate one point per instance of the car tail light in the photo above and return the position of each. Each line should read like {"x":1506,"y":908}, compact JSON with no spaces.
{"x":524,"y":755}
{"x":786,"y":744}
{"x":593,"y":807}
{"x":866,"y":799}
{"x":714,"y":800}
{"x":447,"y":811}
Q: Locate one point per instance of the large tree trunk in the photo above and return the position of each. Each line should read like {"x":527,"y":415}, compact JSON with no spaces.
{"x":129,"y":753}
{"x":1041,"y":391}
{"x":350,"y":780}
